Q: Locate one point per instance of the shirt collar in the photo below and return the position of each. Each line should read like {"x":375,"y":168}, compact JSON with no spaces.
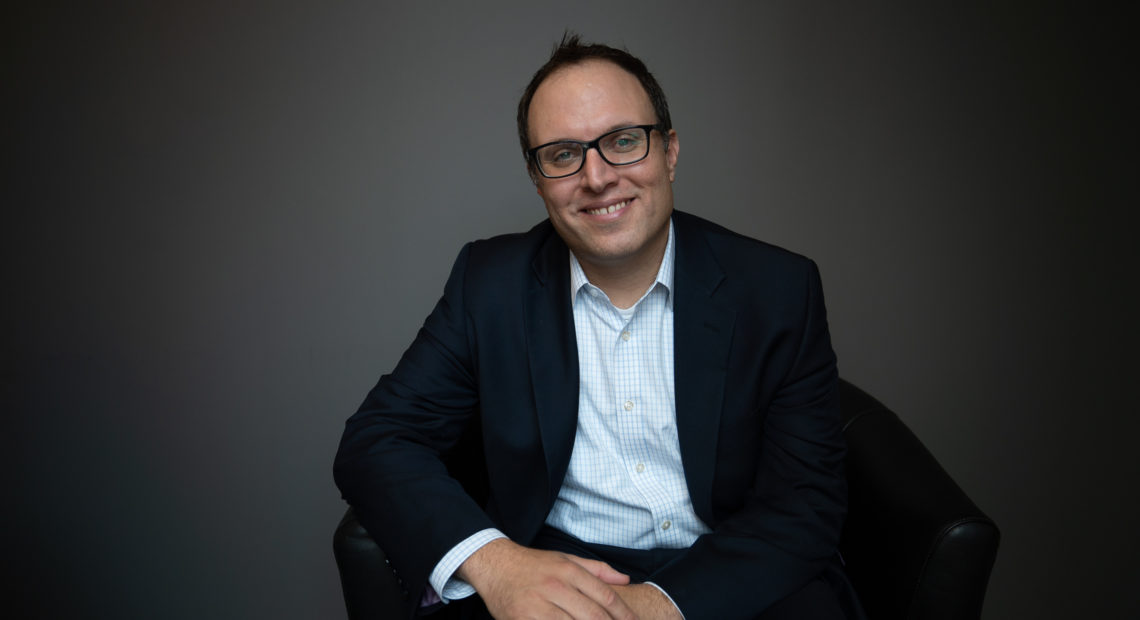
{"x":578,"y":277}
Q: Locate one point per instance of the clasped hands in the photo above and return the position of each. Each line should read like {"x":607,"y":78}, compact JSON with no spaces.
{"x":519,"y":582}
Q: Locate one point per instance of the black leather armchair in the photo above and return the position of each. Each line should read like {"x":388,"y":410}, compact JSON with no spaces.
{"x":915,"y":546}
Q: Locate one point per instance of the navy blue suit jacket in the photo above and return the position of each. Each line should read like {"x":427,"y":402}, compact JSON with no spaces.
{"x":757,"y":415}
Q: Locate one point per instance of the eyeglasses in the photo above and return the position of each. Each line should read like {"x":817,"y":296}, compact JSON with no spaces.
{"x":620,"y":147}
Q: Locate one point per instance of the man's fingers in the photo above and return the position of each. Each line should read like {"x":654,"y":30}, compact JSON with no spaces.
{"x":581,"y":606}
{"x":596,"y":600}
{"x":582,"y":594}
{"x":572,"y":592}
{"x":516,"y":582}
{"x":600,"y":593}
{"x":601,"y":570}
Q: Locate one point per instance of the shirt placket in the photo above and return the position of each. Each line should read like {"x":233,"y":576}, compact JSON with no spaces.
{"x":633,"y":428}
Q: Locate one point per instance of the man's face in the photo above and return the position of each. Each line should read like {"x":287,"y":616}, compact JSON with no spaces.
{"x":582,"y":102}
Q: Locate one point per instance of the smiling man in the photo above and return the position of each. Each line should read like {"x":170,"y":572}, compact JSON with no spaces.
{"x":611,"y":203}
{"x":655,"y":396}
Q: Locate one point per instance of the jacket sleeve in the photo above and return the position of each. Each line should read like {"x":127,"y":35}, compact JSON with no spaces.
{"x":787,"y":529}
{"x":390,"y":465}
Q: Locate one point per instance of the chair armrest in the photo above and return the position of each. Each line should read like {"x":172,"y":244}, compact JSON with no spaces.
{"x":916,"y":547}
{"x":371,"y":589}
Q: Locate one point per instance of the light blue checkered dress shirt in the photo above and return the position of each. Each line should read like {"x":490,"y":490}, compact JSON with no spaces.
{"x":625,"y":485}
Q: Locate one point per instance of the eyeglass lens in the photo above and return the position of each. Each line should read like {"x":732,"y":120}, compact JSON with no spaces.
{"x":623,"y":146}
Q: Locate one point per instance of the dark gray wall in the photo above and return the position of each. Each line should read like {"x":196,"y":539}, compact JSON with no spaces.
{"x":225,"y":221}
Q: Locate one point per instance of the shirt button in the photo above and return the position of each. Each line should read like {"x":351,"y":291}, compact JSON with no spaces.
{"x":625,"y":336}
{"x":666,"y":525}
{"x":640,"y":467}
{"x":629,"y":405}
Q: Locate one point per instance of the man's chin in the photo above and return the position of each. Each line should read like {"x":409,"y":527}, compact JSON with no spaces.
{"x":608,"y":256}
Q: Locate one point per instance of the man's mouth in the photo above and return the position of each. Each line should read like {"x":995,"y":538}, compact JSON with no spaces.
{"x":610,"y":209}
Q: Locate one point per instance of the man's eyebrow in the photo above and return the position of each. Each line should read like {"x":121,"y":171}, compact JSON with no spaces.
{"x":614,"y":127}
{"x":623,"y":126}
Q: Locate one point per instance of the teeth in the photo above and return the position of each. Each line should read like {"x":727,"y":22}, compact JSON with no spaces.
{"x":609,"y":209}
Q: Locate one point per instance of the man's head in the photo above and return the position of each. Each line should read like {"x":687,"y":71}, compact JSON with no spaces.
{"x":571,"y":51}
{"x":612,"y":215}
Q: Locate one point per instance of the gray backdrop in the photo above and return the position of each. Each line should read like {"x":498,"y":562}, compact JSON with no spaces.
{"x":224,"y":221}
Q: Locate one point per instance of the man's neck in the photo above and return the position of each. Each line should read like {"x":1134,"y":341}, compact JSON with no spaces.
{"x":625,"y":281}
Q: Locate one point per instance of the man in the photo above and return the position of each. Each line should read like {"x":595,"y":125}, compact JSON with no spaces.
{"x":655,"y":395}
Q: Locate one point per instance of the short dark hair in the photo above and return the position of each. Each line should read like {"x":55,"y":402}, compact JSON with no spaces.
{"x":571,"y":51}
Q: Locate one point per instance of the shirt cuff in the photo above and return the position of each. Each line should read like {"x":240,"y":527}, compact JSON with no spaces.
{"x":662,"y":590}
{"x":452,"y":588}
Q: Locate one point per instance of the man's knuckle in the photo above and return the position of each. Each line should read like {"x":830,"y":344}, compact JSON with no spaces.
{"x":598,"y":614}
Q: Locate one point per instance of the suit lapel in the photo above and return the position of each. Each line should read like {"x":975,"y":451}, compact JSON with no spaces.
{"x":702,"y":330}
{"x":553,"y":353}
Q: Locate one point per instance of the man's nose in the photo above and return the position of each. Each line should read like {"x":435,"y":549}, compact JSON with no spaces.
{"x":597,"y":174}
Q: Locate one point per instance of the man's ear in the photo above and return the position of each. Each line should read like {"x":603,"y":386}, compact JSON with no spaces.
{"x":534,"y":179}
{"x":533,"y":176}
{"x":671,"y":151}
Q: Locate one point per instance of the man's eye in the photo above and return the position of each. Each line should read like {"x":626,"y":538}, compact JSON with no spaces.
{"x":561,"y":156}
{"x":624,"y":142}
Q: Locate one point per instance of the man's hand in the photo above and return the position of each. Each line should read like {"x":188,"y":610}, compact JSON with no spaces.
{"x":517,"y":582}
{"x":648,"y":602}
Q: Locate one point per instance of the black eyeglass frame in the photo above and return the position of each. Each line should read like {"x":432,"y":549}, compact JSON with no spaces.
{"x":593,"y":144}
